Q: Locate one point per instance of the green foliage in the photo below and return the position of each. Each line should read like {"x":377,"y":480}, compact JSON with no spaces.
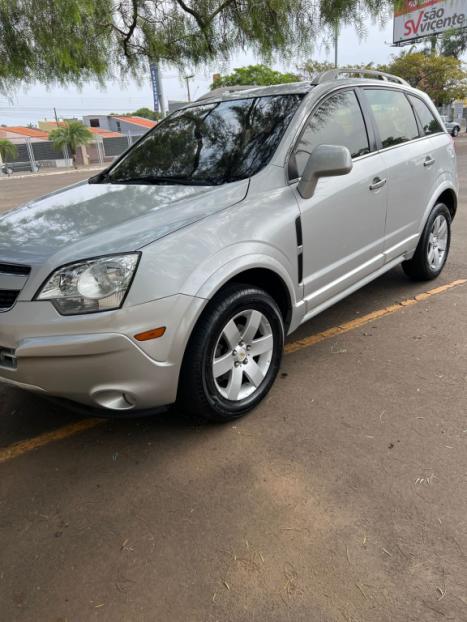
{"x":310,"y":67}
{"x":259,"y":75}
{"x":70,"y":41}
{"x":71,"y":135}
{"x":49,"y":40}
{"x":453,"y":43}
{"x":442,"y":77}
{"x":7,"y":149}
{"x":147,"y":113}
{"x":144,"y":112}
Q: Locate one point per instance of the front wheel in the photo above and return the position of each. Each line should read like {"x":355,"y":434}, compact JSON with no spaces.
{"x":455,"y":131}
{"x":433,"y":246}
{"x":233,"y":355}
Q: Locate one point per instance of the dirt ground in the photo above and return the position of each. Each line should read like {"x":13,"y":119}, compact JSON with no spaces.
{"x":343,"y":497}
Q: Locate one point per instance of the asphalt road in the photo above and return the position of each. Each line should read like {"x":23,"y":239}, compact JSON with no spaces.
{"x":341,"y":498}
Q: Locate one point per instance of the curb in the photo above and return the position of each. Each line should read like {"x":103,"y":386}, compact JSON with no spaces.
{"x":65,"y":172}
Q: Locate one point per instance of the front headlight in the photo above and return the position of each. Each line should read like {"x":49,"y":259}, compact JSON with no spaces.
{"x":99,"y":284}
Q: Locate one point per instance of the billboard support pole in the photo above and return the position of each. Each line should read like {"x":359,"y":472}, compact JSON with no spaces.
{"x":336,"y":41}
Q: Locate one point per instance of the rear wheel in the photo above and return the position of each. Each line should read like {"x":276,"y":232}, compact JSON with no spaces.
{"x":433,"y":247}
{"x":233,"y":355}
{"x":455,"y":131}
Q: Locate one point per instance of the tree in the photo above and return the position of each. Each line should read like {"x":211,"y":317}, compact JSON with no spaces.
{"x":311,"y":67}
{"x":442,"y":77}
{"x":71,"y":135}
{"x":7,"y":149}
{"x":147,"y":113}
{"x":260,"y":75}
{"x":70,"y":41}
{"x":144,"y":112}
{"x":453,"y":43}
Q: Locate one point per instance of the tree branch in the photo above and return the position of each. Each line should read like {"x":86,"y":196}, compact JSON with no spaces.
{"x":193,"y":13}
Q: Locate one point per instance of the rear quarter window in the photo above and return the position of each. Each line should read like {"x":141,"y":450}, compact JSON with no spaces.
{"x":427,"y":120}
{"x":394,"y":116}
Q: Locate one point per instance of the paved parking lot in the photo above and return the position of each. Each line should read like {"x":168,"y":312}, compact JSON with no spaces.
{"x":341,"y":498}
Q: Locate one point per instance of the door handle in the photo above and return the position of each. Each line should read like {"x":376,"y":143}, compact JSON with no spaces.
{"x":377,"y":183}
{"x":428,"y":161}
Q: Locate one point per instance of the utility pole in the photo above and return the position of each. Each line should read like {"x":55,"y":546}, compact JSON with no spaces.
{"x":56,"y":116}
{"x":187,"y":80}
{"x":336,"y":40}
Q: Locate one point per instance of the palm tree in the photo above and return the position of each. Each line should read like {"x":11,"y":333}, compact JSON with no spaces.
{"x":71,"y":135}
{"x":7,"y":149}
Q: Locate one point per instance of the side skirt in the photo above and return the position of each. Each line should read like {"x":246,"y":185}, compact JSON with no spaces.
{"x":353,"y":288}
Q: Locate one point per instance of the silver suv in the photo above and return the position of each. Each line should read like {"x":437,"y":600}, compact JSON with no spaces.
{"x":175,"y":275}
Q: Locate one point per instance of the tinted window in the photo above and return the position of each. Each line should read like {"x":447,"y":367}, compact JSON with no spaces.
{"x":394,"y":116}
{"x":429,"y":123}
{"x":337,"y":121}
{"x":210,"y":143}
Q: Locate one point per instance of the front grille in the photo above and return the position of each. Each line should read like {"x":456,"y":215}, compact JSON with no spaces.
{"x":9,"y":268}
{"x":8,"y":298}
{"x":7,"y":358}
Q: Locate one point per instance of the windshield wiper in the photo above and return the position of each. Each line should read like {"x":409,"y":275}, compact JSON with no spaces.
{"x":166,"y":180}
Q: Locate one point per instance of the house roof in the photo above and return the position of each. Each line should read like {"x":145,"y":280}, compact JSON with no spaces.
{"x":53,"y":122}
{"x":26,"y":131}
{"x":99,"y":131}
{"x":136,"y":121}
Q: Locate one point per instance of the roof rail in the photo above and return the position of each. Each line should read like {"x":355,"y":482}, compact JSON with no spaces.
{"x":224,"y":90}
{"x":333,"y":74}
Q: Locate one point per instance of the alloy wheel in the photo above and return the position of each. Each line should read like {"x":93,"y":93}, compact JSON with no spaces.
{"x":242,"y":355}
{"x":437,"y":242}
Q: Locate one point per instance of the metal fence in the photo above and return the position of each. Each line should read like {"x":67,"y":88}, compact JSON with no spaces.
{"x":34,"y":155}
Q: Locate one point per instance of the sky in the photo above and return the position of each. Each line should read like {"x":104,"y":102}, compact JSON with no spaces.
{"x":37,"y":102}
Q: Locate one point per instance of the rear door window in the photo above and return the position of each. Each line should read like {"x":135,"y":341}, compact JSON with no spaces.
{"x":394,"y":116}
{"x":428,"y":122}
{"x":337,"y":121}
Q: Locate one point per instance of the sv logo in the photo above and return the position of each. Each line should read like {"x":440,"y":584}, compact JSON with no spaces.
{"x":412,"y":26}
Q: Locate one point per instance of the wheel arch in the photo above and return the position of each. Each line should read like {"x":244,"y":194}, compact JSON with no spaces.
{"x":271,"y":282}
{"x":449,"y":198}
{"x":445,"y":193}
{"x":262,"y":277}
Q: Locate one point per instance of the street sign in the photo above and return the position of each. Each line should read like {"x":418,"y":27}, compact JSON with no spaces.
{"x":415,"y":19}
{"x":153,"y":68}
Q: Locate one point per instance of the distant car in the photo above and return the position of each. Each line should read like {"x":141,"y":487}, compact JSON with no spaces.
{"x":452,"y":127}
{"x":16,"y":167}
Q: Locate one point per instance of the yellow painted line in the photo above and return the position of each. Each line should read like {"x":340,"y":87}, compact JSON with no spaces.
{"x":23,"y":447}
{"x":294,"y":346}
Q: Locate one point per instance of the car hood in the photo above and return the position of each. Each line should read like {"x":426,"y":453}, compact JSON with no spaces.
{"x":90,"y":219}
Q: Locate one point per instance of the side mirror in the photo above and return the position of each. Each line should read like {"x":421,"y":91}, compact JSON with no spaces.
{"x":324,"y":161}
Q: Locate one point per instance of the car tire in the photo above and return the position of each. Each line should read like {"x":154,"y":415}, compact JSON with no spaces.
{"x":433,"y":247}
{"x":233,"y":355}
{"x":455,"y":131}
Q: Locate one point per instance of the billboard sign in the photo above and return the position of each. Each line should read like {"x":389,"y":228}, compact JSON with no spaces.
{"x":414,"y":19}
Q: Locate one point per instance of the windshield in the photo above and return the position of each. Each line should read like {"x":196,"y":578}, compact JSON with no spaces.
{"x":209,"y":143}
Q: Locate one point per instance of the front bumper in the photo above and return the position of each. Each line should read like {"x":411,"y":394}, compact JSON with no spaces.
{"x":94,"y":359}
